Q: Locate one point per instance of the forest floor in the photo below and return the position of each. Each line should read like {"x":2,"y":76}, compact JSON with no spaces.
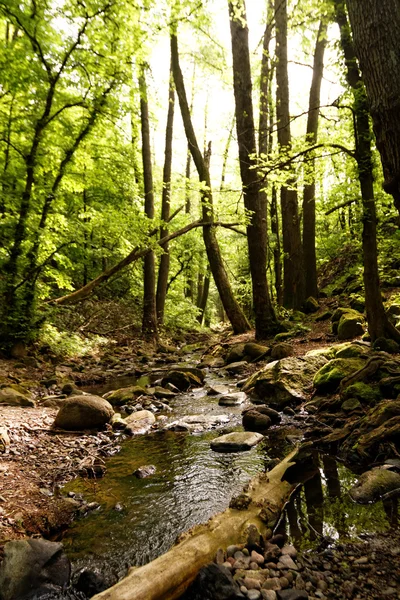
{"x":40,"y":459}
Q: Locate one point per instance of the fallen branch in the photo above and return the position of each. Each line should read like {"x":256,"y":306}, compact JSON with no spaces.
{"x":167,"y":577}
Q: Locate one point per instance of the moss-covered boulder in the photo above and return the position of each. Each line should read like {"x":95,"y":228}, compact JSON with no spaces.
{"x":254,"y":351}
{"x":328,"y":378}
{"x":15,"y":395}
{"x":374,"y":484}
{"x":351,"y":404}
{"x":253,"y":420}
{"x":282,"y":350}
{"x":350,"y":326}
{"x":324,"y":316}
{"x":125,"y":395}
{"x":358,"y":303}
{"x":310,"y":305}
{"x":367,"y":394}
{"x":351,"y":350}
{"x":83,"y":412}
{"x":386,"y":345}
{"x":235,"y":354}
{"x":284,"y":382}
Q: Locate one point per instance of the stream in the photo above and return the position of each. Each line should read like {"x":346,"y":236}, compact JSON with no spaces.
{"x":139,"y":519}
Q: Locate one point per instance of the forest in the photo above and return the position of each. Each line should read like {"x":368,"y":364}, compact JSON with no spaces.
{"x":199,"y":195}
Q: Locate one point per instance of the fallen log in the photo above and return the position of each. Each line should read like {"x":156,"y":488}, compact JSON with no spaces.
{"x":168,"y":576}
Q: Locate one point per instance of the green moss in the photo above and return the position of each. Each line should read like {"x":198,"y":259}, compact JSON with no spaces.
{"x":363,"y":392}
{"x":329,"y":377}
{"x":125,"y":395}
{"x":350,"y":351}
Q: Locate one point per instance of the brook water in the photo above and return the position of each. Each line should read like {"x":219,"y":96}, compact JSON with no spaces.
{"x":139,"y":519}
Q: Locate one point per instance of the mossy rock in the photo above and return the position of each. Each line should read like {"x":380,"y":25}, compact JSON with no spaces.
{"x":329,"y":377}
{"x":350,"y":326}
{"x":357,"y":303}
{"x":254,"y":351}
{"x":310,"y":305}
{"x":183,"y":380}
{"x":367,"y":394}
{"x":324,"y":316}
{"x":235,"y":354}
{"x":328,"y":352}
{"x":15,"y":395}
{"x":373,"y":484}
{"x":351,"y":404}
{"x":350,"y":351}
{"x":281,"y":350}
{"x":125,"y":395}
{"x":285,"y":335}
{"x":297,"y":316}
{"x":386,"y":345}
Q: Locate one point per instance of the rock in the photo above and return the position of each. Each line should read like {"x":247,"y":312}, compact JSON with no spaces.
{"x":274,"y":415}
{"x":351,"y":404}
{"x":213,"y":582}
{"x":373,"y":484}
{"x":284,"y":382}
{"x":70,"y":389}
{"x":349,"y":350}
{"x":253,"y":594}
{"x":268,"y":595}
{"x":236,"y":441}
{"x":237,"y":367}
{"x":324,"y":316}
{"x":329,"y":377}
{"x":32,"y":567}
{"x":216,"y":389}
{"x":4,"y":439}
{"x":160,"y":392}
{"x":145,"y":471}
{"x":18,"y":350}
{"x":235,"y":354}
{"x":281,"y":350}
{"x":287,"y":562}
{"x":13,"y":395}
{"x":125,"y":395}
{"x":183,"y":381}
{"x":254,"y":351}
{"x":213,"y":362}
{"x":139,"y":422}
{"x":253,"y":420}
{"x":357,"y":303}
{"x":386,"y":345}
{"x":367,"y":394}
{"x":90,"y":582}
{"x":292,"y":595}
{"x":83,"y":412}
{"x":232,"y":399}
{"x":289,"y":550}
{"x":310,"y":305}
{"x":350,"y":326}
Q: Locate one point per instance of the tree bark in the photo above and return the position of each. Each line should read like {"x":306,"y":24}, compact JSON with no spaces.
{"x":167,"y":577}
{"x":310,"y":259}
{"x":378,"y":322}
{"x":376,"y":25}
{"x":149,"y":322}
{"x":234,"y":312}
{"x":255,"y":202}
{"x":293,"y":266}
{"x":163,"y":270}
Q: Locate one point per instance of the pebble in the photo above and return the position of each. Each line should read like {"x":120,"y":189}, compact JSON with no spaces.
{"x":253,"y":595}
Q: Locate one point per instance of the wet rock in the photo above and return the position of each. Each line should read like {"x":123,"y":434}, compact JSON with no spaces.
{"x":213,"y":582}
{"x":236,"y":441}
{"x":14,"y":395}
{"x":373,"y":484}
{"x":32,"y":567}
{"x":274,"y":415}
{"x":83,"y":412}
{"x":281,"y":350}
{"x":90,"y":582}
{"x":139,"y":422}
{"x":125,"y":395}
{"x":232,"y":399}
{"x":237,"y":367}
{"x":253,"y":420}
{"x":181,"y":380}
{"x":216,"y":389}
{"x":310,"y":305}
{"x":328,"y":378}
{"x":161,"y":392}
{"x":284,"y":382}
{"x":145,"y":471}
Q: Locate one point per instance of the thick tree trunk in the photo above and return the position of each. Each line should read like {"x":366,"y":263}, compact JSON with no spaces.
{"x":167,"y":577}
{"x":310,"y":259}
{"x":378,"y":323}
{"x":163,"y":270}
{"x":234,"y":312}
{"x":293,"y":267}
{"x":255,"y":202}
{"x":149,"y":322}
{"x":376,"y":27}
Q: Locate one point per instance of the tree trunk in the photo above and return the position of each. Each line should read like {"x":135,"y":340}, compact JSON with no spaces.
{"x":293,"y":268}
{"x":234,"y":312}
{"x":163,"y":270}
{"x":310,"y":259}
{"x":378,"y":322}
{"x":376,"y":27}
{"x":255,"y":202}
{"x":167,"y":577}
{"x":149,"y":322}
{"x":202,"y":305}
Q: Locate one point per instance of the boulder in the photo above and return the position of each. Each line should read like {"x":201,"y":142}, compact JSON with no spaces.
{"x":324,"y":316}
{"x":83,"y":412}
{"x":213,"y":582}
{"x":145,"y":471}
{"x":373,"y":484}
{"x":216,"y":389}
{"x":357,"y":302}
{"x":14,"y":395}
{"x":253,"y":420}
{"x":310,"y":305}
{"x":233,"y":399}
{"x":367,"y":394}
{"x":350,"y":326}
{"x":284,"y":382}
{"x":125,"y":395}
{"x":31,"y":568}
{"x":237,"y":367}
{"x":235,"y":354}
{"x":139,"y":422}
{"x":386,"y":345}
{"x":351,"y":404}
{"x":160,"y":392}
{"x":254,"y":351}
{"x":328,"y":378}
{"x":270,"y":412}
{"x":351,"y":350}
{"x":183,"y":381}
{"x":237,"y":441}
{"x":281,"y":350}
